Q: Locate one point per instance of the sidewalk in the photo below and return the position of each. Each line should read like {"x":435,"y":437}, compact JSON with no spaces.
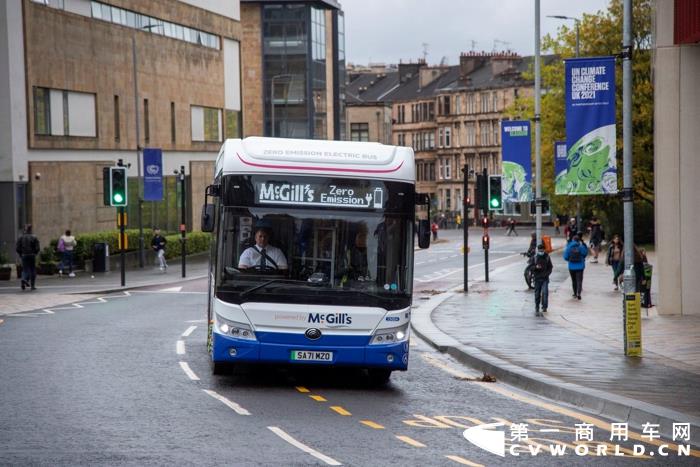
{"x":61,"y":290}
{"x":575,"y":353}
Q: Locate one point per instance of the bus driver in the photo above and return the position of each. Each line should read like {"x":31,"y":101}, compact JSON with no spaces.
{"x":262,"y":255}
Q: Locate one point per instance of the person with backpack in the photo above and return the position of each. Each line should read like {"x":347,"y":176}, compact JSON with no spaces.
{"x":575,"y":253}
{"x":66,"y":245}
{"x":158,"y":244}
{"x":540,"y":273}
{"x":27,"y":248}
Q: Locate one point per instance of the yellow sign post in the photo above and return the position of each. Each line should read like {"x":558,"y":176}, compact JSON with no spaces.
{"x":633,"y":325}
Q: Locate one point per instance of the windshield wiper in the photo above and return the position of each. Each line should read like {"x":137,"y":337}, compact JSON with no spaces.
{"x":265,"y":284}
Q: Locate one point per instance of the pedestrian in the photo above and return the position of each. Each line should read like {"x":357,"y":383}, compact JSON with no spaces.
{"x":540,"y":273}
{"x":596,"y":237}
{"x":640,"y":258}
{"x":158,"y":244}
{"x":557,"y":223}
{"x":434,"y":229}
{"x":66,"y":246}
{"x":571,"y":229}
{"x":511,"y":227}
{"x":27,"y":248}
{"x":614,"y":257}
{"x":575,"y":253}
{"x":458,"y":220}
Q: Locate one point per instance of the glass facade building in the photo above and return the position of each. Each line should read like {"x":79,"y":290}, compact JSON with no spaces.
{"x":299,"y":95}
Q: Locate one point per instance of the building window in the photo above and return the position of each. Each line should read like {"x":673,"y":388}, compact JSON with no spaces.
{"x":64,"y":113}
{"x":448,"y":200}
{"x":458,"y":104}
{"x":448,"y":168}
{"x":359,"y":132}
{"x":116,"y":119}
{"x":172,"y":122}
{"x":495,"y":102}
{"x":146,"y":125}
{"x":145,"y":23}
{"x":448,"y":137}
{"x":471,"y":134}
{"x":446,"y":105}
{"x":233,"y":124}
{"x":495,"y":130}
{"x":484,"y":102}
{"x":206,"y":124}
{"x":471,"y":108}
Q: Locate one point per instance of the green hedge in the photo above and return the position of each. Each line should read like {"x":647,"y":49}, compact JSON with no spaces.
{"x":197,"y":242}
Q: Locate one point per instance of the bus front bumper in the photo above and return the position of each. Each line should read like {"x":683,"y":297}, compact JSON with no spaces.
{"x":231,"y":350}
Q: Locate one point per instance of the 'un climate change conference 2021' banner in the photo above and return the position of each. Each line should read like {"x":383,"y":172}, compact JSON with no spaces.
{"x":590,"y":128}
{"x":517,"y":163}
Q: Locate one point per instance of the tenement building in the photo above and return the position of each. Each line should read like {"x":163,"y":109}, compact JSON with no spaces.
{"x":84,"y":83}
{"x":451,"y":115}
{"x":294,"y":68}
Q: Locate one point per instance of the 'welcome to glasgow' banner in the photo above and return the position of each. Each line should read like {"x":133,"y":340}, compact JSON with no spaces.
{"x":517,"y":165}
{"x":590,"y":128}
{"x":153,"y":174}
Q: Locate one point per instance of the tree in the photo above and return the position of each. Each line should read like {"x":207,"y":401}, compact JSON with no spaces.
{"x":600,"y":35}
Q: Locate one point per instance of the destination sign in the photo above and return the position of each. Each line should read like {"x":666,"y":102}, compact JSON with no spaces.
{"x":309,"y":194}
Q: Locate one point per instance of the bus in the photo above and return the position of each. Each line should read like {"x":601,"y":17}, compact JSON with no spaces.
{"x":331,"y":282}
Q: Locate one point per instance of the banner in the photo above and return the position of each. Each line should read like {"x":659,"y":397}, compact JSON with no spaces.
{"x":561,"y":165}
{"x":517,"y":165}
{"x":590,"y":128}
{"x":152,"y":174}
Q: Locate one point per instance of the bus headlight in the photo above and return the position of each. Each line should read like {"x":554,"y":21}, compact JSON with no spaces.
{"x":234,"y":329}
{"x":390,"y":335}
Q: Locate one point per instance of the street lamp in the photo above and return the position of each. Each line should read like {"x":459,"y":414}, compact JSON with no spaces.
{"x":272,"y":99}
{"x":138,"y":141}
{"x":578,"y":50}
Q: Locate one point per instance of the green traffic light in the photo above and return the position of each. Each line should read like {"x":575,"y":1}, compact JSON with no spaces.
{"x":494,"y":203}
{"x":118,"y":198}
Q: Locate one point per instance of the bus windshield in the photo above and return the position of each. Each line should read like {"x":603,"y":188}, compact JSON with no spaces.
{"x":315,"y":256}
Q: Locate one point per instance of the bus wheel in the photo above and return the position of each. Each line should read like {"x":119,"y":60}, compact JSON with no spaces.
{"x":379,"y":376}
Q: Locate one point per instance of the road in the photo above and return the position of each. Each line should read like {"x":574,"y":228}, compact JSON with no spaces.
{"x":125,"y":380}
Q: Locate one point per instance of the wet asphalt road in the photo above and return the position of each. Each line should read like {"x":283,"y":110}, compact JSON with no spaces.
{"x":108,"y":384}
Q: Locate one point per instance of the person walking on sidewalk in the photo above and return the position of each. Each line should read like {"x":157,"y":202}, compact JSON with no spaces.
{"x":66,"y":245}
{"x":556,"y":224}
{"x":158,"y":244}
{"x":596,"y":238}
{"x":575,"y":253}
{"x":614,"y":257}
{"x":511,"y":227}
{"x":27,"y":248}
{"x":434,"y":229}
{"x":540,"y":273}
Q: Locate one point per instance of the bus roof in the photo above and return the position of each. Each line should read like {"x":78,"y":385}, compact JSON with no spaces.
{"x":258,"y":155}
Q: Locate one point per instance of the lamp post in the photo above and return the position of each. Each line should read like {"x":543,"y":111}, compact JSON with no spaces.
{"x":138,"y":144}
{"x":578,"y":51}
{"x":272,"y":99}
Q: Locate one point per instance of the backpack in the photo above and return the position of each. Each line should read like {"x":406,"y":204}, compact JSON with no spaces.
{"x":61,"y":246}
{"x":575,"y":254}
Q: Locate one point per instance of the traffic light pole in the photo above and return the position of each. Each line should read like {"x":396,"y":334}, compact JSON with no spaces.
{"x":122,"y":244}
{"x":183,"y":251}
{"x":485,"y":209}
{"x":465,"y":223}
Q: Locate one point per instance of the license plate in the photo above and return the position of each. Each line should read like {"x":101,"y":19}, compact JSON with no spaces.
{"x":312,"y":356}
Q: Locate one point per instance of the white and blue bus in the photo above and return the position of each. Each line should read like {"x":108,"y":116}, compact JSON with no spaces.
{"x":331,"y":282}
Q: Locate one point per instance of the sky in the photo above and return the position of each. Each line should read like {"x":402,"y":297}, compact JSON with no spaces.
{"x":386,"y":31}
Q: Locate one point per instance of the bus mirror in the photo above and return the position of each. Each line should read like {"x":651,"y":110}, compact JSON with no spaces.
{"x":208,"y":218}
{"x":423,"y":233}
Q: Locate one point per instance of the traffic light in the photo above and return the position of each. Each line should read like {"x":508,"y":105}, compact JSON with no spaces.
{"x":485,"y":222}
{"x":495,"y":193}
{"x":481,"y":192}
{"x":485,"y":241}
{"x":117,"y":187}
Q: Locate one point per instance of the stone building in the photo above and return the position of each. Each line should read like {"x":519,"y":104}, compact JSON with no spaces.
{"x":68,"y":105}
{"x":451,"y":115}
{"x":369,"y":114}
{"x":294,"y":68}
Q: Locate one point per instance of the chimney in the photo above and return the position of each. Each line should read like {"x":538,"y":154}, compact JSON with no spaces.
{"x":503,"y":62}
{"x":427,"y":75}
{"x":409,"y":70}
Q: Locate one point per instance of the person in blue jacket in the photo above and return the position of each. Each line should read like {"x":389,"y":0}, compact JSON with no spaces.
{"x":575,"y":253}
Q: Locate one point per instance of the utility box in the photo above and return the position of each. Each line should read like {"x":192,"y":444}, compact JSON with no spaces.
{"x":100,"y":257}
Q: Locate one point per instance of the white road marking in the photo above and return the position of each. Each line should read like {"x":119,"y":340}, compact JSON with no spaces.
{"x":188,"y":371}
{"x":303,"y":447}
{"x":189,"y":331}
{"x":196,"y":321}
{"x":449,"y":272}
{"x":230,"y":404}
{"x":180,"y":347}
{"x":171,"y":289}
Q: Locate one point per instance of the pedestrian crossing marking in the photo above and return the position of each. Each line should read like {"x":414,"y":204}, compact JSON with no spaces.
{"x":410,"y":441}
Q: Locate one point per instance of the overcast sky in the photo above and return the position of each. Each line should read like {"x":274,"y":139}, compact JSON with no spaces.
{"x":391,"y":30}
